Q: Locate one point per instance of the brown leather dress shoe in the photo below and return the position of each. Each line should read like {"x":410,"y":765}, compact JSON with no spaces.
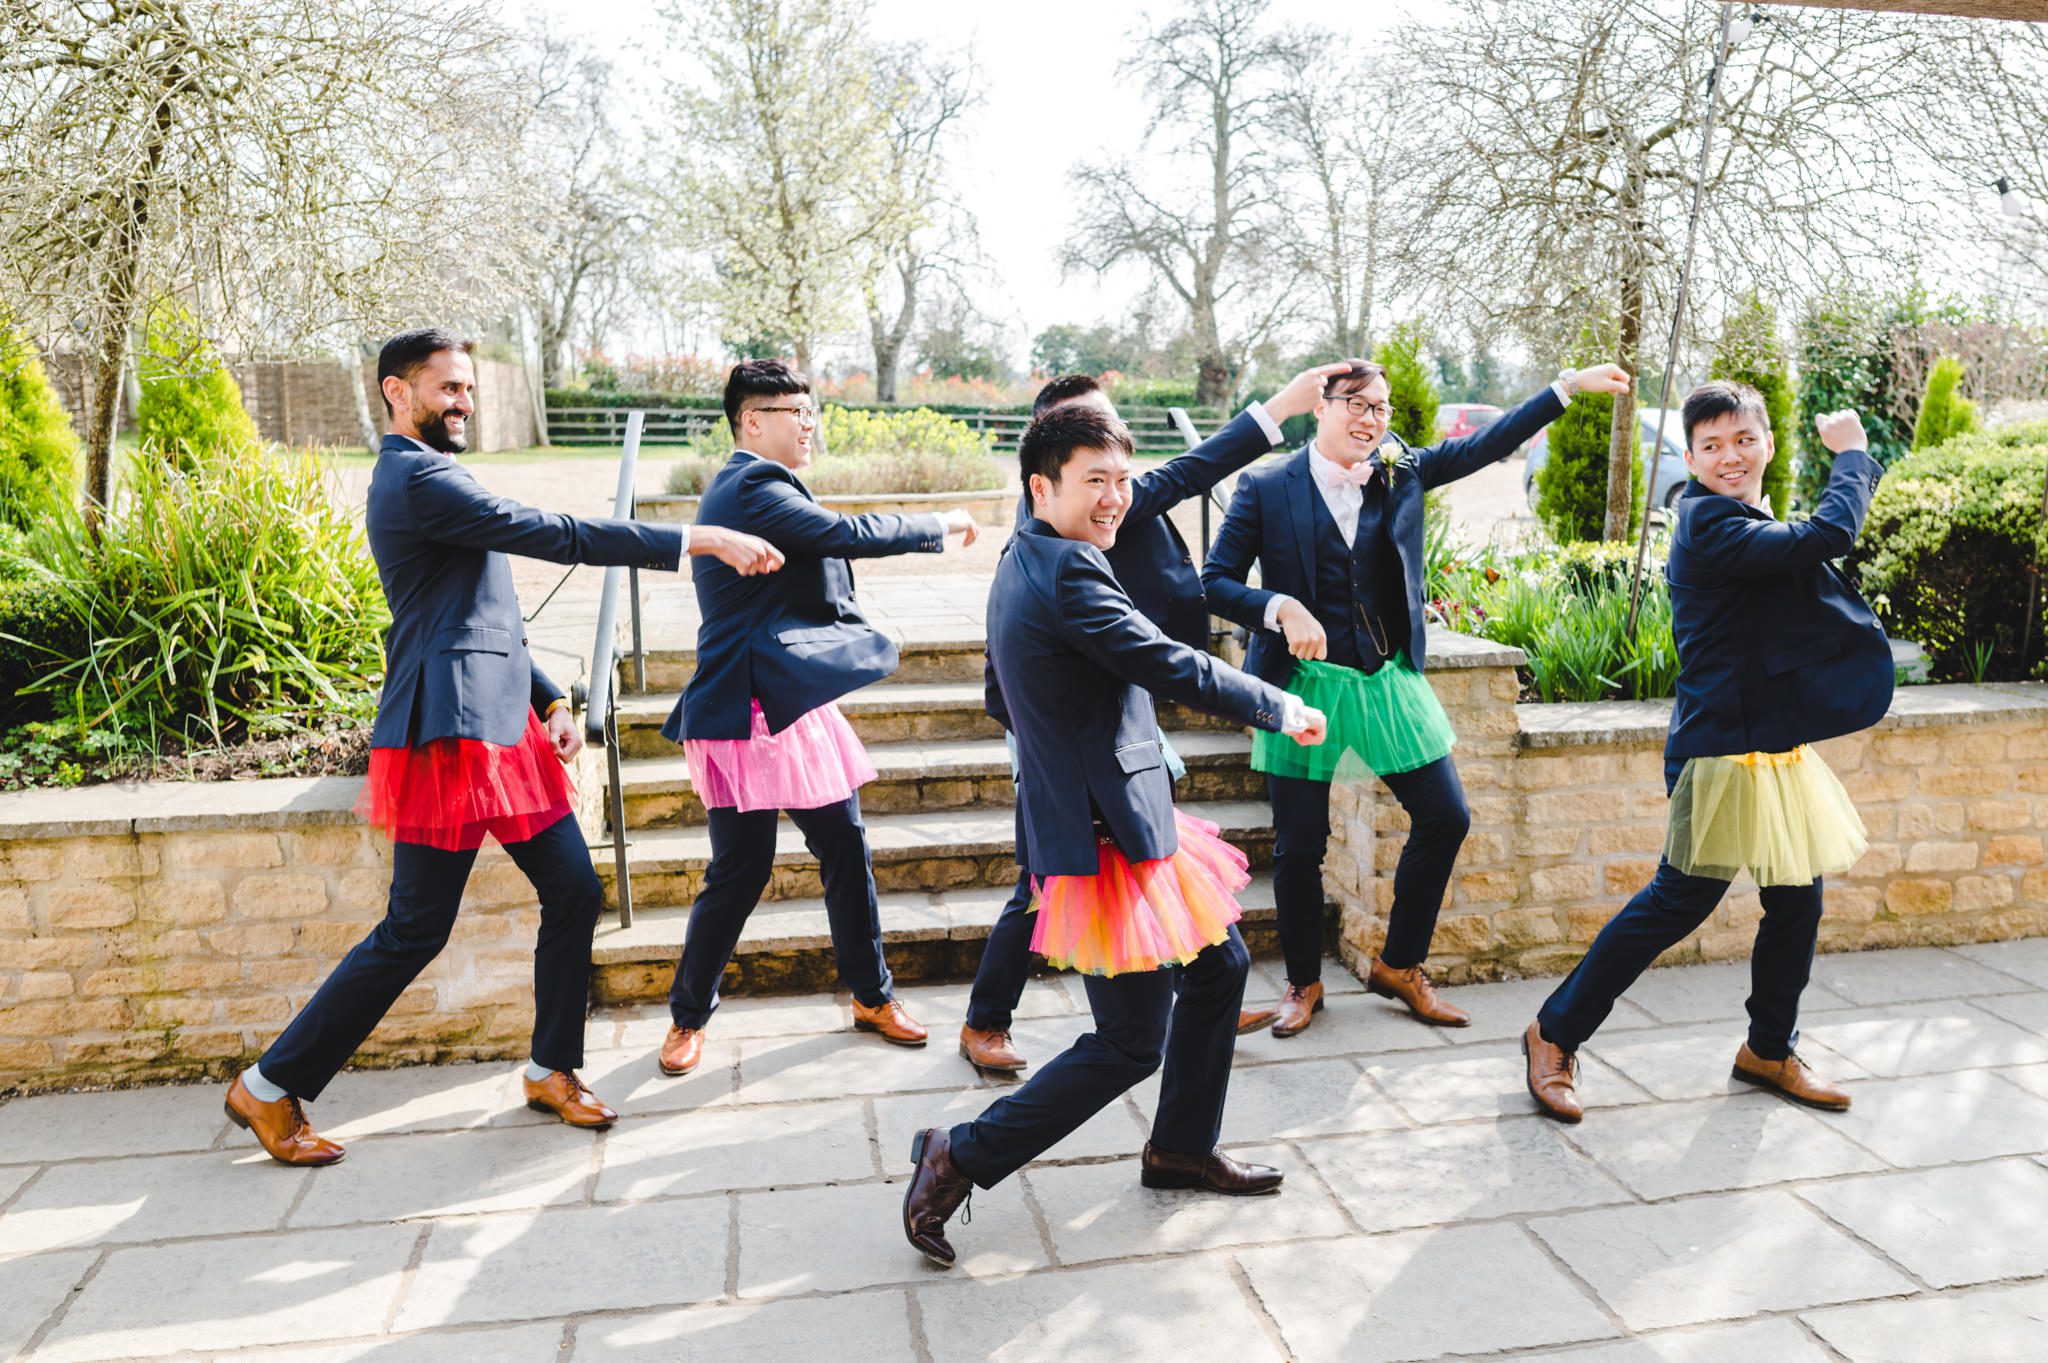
{"x":1553,"y":1077}
{"x":991,"y":1051}
{"x":681,"y":1049}
{"x":1251,"y":1019}
{"x":1214,"y":1172}
{"x":937,"y":1188}
{"x":281,"y":1127}
{"x":1790,"y":1077}
{"x":1297,"y":1006}
{"x":1412,"y":987}
{"x":895,"y":1024}
{"x":565,"y":1095}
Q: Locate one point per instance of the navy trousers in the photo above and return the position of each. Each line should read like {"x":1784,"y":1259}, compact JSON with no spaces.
{"x":426,"y":890}
{"x":1005,"y":963}
{"x":1183,"y":1016}
{"x":742,"y":859}
{"x":1660,"y":915}
{"x":1438,"y":820}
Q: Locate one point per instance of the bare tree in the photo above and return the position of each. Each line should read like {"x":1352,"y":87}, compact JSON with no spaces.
{"x":294,"y":170}
{"x":1213,"y":73}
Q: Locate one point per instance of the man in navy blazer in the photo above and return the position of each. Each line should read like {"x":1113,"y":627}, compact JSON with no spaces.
{"x":1775,"y":650}
{"x":456,"y":667}
{"x":1336,"y":529}
{"x":1153,"y":565}
{"x":1075,"y":668}
{"x":793,"y":643}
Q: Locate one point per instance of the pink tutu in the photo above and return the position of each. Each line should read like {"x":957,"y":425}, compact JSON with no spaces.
{"x":816,"y":761}
{"x":1141,"y":916}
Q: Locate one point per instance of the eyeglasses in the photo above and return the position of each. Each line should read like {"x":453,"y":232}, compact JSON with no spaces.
{"x":1361,"y":408}
{"x":805,"y":413}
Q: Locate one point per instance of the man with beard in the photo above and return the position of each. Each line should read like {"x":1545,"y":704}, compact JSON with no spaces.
{"x":470,"y":738}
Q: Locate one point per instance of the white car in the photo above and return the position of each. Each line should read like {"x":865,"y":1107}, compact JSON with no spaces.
{"x":1671,"y":470}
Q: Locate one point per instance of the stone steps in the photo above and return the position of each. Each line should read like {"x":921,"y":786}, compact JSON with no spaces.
{"x":925,"y":660}
{"x":971,"y":773}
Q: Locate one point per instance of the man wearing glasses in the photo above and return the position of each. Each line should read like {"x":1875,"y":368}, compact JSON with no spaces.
{"x":1336,"y":529}
{"x":758,"y":721}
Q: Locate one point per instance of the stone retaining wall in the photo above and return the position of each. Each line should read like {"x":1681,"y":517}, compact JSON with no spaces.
{"x":1568,"y":811}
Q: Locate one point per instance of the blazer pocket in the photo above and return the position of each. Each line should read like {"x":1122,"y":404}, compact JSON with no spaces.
{"x":1800,"y":655}
{"x":1137,"y":757}
{"x":811,"y":639}
{"x":476,"y":639}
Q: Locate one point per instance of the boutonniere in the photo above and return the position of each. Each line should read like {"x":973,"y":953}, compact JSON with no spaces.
{"x":1393,"y":458}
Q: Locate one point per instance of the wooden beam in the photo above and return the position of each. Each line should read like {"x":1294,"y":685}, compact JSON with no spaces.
{"x":1973,"y":9}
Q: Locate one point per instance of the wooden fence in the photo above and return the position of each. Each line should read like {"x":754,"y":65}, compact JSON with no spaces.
{"x":1151,"y":430}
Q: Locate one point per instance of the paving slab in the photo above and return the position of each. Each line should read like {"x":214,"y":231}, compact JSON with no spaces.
{"x":866,"y":1325}
{"x":234,"y":1293}
{"x":1105,"y":1314}
{"x":1284,"y":1102}
{"x":1716,"y":1258}
{"x":1680,"y":995}
{"x":836,"y":1239}
{"x":1401,"y":1179}
{"x":1484,"y":1083}
{"x":1909,"y":975}
{"x":97,"y":1202}
{"x":807,"y":1068}
{"x":1268,"y":980}
{"x":2000,"y":1325}
{"x":1926,"y":1038}
{"x":2026,"y":959}
{"x":2032,"y":1078}
{"x":720,"y":1149}
{"x":1945,"y":1118}
{"x":154,"y":1121}
{"x":1662,"y":1150}
{"x":1420,"y":1294}
{"x":1115,"y":1130}
{"x":1978,"y":1223}
{"x":32,"y":1288}
{"x":1766,"y":1341}
{"x":540,"y":1343}
{"x":13,"y":1177}
{"x":1101,"y":1211}
{"x":1503,"y":1011}
{"x":1697,"y":1061}
{"x":1350,"y":1024}
{"x":644,"y":1027}
{"x":2022,"y":1010}
{"x":629,"y":1079}
{"x":452,"y":1173}
{"x":558,"y":1262}
{"x":421,"y":1098}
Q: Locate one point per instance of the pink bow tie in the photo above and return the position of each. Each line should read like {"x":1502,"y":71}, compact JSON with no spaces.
{"x":1333,"y":474}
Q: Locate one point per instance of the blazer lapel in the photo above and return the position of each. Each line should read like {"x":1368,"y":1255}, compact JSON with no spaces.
{"x":1301,"y":495}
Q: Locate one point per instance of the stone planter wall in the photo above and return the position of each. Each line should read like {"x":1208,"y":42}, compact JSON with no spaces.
{"x":1568,"y":812}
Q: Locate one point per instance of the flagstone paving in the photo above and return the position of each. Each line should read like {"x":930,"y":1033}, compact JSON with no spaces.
{"x":750,"y":1211}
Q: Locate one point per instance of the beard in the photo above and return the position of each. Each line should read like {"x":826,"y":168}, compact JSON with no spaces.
{"x":434,"y":434}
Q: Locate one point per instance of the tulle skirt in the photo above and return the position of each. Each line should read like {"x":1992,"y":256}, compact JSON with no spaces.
{"x":1784,"y":816}
{"x":1389,"y":721}
{"x":816,"y":761}
{"x":1143,"y":915}
{"x":449,"y":792}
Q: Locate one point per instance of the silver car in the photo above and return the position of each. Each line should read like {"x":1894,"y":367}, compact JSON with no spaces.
{"x":1671,"y":471}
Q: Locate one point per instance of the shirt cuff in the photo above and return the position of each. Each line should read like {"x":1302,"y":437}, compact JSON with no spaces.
{"x":1266,"y":423}
{"x":688,"y":530}
{"x":1293,"y":713}
{"x":1273,"y":608}
{"x":1564,"y":399}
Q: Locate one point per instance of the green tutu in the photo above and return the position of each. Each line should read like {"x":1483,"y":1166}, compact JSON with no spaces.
{"x":1384,"y":723}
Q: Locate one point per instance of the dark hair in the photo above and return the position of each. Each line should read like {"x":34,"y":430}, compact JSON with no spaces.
{"x":1065,"y":388}
{"x":1722,"y":397}
{"x":404,"y":353}
{"x":1051,"y":440}
{"x":1355,"y":379}
{"x":759,"y":379}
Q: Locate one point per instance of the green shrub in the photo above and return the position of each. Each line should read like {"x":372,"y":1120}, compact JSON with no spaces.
{"x":1410,"y":393}
{"x":912,"y":450}
{"x":1751,"y":353}
{"x":233,"y":598}
{"x":1134,"y":392}
{"x":191,"y":407}
{"x":1944,"y":413}
{"x":1945,"y":552}
{"x":1571,"y":487}
{"x":39,"y":632}
{"x":38,"y":448}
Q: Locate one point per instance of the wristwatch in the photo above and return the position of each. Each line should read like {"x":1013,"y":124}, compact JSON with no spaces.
{"x":1568,"y":379}
{"x":558,"y":703}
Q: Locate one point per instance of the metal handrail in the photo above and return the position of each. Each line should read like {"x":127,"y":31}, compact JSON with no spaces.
{"x":601,"y":719}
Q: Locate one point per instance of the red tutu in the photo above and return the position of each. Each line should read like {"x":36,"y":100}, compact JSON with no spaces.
{"x":1141,"y":916}
{"x":452,"y":791}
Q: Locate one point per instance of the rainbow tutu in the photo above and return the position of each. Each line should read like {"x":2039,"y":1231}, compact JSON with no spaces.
{"x":1132,"y":916}
{"x":1782,"y":816}
{"x":1390,"y":721}
{"x":816,"y":761}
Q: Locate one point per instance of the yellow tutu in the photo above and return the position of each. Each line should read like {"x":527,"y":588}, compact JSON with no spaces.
{"x":1784,"y":816}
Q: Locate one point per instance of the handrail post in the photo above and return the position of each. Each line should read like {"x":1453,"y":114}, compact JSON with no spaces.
{"x":601,"y":720}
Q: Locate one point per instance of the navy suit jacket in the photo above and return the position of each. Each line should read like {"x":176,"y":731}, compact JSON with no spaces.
{"x":455,"y":659}
{"x":1272,"y":521}
{"x":1775,"y":648}
{"x":1149,"y":557}
{"x":1072,"y":668}
{"x":792,"y":639}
